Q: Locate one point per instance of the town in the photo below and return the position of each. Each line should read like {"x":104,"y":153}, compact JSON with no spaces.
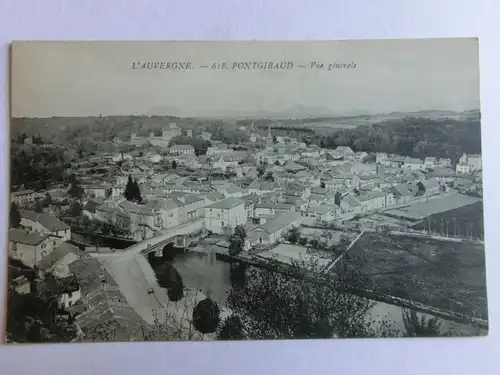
{"x":102,"y":236}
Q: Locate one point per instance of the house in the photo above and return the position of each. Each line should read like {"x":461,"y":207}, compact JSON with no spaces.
{"x":273,"y":230}
{"x":343,"y":151}
{"x":97,"y":191}
{"x":298,"y":190}
{"x":56,"y":264}
{"x":187,"y":160}
{"x":430,"y":162}
{"x":261,"y":188}
{"x":105,"y":213}
{"x":349,"y":203}
{"x":264,"y":209}
{"x":45,"y":224}
{"x":413,"y":164}
{"x":30,"y":247}
{"x":442,"y":174}
{"x":182,"y":150}
{"x":206,"y":136}
{"x":403,"y":192}
{"x":299,"y":203}
{"x":225,"y":162}
{"x":89,"y":209}
{"x":190,"y":207}
{"x":394,"y":161}
{"x":428,"y":187}
{"x":320,"y":212}
{"x":117,"y":191}
{"x":22,"y":197}
{"x":280,"y":208}
{"x":473,"y":160}
{"x":463,"y":168}
{"x":380,"y":157}
{"x":155,"y":159}
{"x":356,"y":157}
{"x":223,"y":216}
{"x":364,"y":169}
{"x":145,"y":222}
{"x":372,"y":201}
{"x":443,"y":162}
{"x":250,"y":202}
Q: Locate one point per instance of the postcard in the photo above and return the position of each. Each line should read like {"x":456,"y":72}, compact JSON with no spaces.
{"x":166,"y":191}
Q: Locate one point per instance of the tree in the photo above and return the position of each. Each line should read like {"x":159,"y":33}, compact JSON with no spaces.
{"x":301,"y":302}
{"x":344,"y":242}
{"x":231,"y":329}
{"x":75,"y":190}
{"x":303,"y":241}
{"x":47,"y":200}
{"x":15,"y":216}
{"x":170,"y":279}
{"x":174,"y":164}
{"x":275,"y":140}
{"x":206,"y":316}
{"x":260,"y":170}
{"x":237,"y":241}
{"x":293,"y":235}
{"x":314,"y":243}
{"x":423,"y":327}
{"x":269,"y":176}
{"x":132,"y":191}
{"x":38,"y":205}
{"x":136,"y":191}
{"x":322,"y":185}
{"x":129,"y":193}
{"x":75,"y":209}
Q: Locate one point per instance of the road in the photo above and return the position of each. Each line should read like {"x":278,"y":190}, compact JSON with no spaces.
{"x":137,"y":282}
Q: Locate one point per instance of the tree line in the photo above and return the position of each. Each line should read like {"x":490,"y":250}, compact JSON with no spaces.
{"x":410,"y":136}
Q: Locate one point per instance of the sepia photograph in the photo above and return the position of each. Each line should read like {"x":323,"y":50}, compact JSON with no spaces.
{"x":201,"y":191}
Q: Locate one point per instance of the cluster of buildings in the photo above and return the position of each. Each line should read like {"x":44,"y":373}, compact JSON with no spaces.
{"x":268,"y":191}
{"x":166,"y":136}
{"x":83,"y":289}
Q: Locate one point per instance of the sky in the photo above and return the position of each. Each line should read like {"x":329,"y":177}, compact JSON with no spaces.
{"x":96,"y":78}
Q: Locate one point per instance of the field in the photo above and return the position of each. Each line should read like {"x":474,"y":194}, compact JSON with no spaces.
{"x":464,"y":221}
{"x":442,"y":274}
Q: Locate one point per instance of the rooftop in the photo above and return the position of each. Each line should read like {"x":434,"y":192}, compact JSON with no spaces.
{"x":49,"y":222}
{"x":280,"y":221}
{"x":182,"y":147}
{"x":226,"y":204}
{"x":22,"y":192}
{"x":25,"y":237}
{"x":59,"y":253}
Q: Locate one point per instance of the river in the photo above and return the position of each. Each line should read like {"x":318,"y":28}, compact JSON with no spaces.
{"x":216,"y":278}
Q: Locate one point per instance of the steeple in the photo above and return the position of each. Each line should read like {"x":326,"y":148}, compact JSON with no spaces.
{"x":269,"y":140}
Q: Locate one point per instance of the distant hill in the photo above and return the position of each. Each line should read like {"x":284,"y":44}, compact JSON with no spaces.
{"x":165,"y":111}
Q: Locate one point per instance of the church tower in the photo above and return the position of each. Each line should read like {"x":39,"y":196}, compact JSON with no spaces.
{"x":269,"y":140}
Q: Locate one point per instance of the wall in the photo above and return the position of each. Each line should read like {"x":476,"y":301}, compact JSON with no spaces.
{"x":31,"y":255}
{"x":66,"y":300}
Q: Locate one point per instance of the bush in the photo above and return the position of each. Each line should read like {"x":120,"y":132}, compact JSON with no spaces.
{"x":206,"y":316}
{"x":232,"y":329}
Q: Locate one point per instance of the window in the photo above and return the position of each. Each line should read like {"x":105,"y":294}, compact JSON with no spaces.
{"x":44,"y":246}
{"x":70,"y":303}
{"x":70,"y":294}
{"x":222,"y":223}
{"x":44,"y":254}
{"x":54,"y":243}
